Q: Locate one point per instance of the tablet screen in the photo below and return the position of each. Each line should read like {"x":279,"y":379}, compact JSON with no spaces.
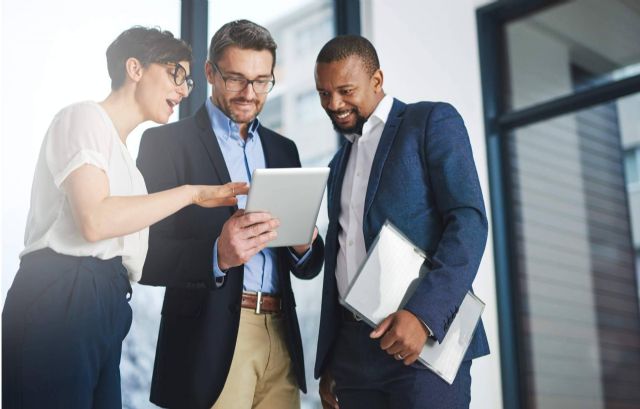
{"x":292,"y":195}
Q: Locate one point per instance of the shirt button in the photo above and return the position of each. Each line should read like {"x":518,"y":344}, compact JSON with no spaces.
{"x":351,"y":242}
{"x":358,"y":174}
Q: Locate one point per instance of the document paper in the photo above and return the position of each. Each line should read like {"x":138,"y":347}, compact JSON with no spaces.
{"x":388,"y":277}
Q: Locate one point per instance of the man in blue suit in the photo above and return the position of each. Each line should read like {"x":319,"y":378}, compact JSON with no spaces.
{"x":411,"y":164}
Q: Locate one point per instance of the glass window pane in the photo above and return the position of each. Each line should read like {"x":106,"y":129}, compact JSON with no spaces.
{"x":572,"y":46}
{"x":628,"y":109}
{"x":271,"y":115}
{"x":631,"y":166}
{"x":577,"y":279}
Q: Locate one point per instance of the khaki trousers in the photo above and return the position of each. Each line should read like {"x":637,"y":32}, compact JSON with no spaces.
{"x":261,"y":376}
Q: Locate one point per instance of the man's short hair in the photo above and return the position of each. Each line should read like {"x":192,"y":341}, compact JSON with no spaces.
{"x":243,"y":34}
{"x":147,"y":45}
{"x":344,"y":46}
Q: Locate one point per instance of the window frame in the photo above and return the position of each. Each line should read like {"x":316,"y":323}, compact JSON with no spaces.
{"x":499,"y":123}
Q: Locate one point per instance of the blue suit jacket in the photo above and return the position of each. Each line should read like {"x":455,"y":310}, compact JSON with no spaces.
{"x":423,"y":179}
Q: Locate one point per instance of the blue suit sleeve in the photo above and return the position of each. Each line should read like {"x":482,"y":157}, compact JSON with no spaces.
{"x":459,"y":201}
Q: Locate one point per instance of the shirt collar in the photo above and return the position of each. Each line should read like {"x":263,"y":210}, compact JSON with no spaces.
{"x":379,"y":115}
{"x":223,"y":126}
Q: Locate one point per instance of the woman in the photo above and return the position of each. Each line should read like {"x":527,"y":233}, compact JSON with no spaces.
{"x":67,"y":310}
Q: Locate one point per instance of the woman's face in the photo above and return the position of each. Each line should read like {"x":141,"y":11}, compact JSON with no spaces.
{"x":158,"y":92}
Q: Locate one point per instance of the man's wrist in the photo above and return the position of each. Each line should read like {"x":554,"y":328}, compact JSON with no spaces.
{"x":223,"y":267}
{"x":300,"y":251}
{"x":424,"y":324}
{"x":220,"y":268}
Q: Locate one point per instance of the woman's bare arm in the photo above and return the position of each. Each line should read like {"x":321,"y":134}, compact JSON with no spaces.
{"x":101,"y":216}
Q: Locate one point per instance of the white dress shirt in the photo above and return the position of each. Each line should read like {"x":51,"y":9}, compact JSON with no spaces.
{"x":352,"y":251}
{"x":82,"y":134}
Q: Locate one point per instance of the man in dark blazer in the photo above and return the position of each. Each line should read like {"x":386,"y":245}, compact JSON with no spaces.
{"x":411,"y":164}
{"x":229,"y":333}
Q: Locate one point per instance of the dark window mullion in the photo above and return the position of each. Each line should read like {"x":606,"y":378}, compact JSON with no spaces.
{"x":194,"y":30}
{"x":491,"y":46}
{"x":568,"y":104}
{"x":509,"y":10}
{"x":347,"y":16}
{"x":346,"y":21}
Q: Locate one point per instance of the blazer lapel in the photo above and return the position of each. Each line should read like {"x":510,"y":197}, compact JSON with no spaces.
{"x":270,"y":157}
{"x":210,"y":142}
{"x":386,"y":141}
{"x":341,"y":167}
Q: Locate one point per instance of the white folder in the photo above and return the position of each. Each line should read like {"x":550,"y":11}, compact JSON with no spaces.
{"x":388,"y":277}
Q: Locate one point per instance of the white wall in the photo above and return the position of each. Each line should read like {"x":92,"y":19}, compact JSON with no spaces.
{"x":428,"y":50}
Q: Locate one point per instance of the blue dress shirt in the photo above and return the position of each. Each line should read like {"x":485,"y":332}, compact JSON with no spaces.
{"x":242,"y":157}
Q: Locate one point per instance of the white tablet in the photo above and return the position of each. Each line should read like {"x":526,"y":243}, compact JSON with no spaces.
{"x":292,"y":195}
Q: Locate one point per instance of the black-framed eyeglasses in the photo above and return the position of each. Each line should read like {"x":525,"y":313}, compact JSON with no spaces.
{"x":237,"y":84}
{"x":180,"y":76}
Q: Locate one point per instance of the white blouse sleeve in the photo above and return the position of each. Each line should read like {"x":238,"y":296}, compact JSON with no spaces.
{"x":79,"y":135}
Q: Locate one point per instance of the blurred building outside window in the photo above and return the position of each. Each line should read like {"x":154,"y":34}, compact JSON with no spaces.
{"x":575,"y":214}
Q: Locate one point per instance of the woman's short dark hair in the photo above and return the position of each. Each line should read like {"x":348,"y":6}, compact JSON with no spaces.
{"x":243,"y":34}
{"x":147,"y":45}
{"x":344,"y":46}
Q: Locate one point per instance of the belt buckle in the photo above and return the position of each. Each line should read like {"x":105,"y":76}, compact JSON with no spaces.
{"x":259,"y":302}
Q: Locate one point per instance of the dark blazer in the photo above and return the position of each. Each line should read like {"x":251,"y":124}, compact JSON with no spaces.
{"x":423,"y":179}
{"x":199,"y":322}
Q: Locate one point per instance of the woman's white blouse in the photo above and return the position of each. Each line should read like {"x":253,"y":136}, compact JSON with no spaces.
{"x":82,"y":134}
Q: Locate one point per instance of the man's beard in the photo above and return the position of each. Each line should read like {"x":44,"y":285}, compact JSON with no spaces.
{"x":355,"y":129}
{"x":229,"y":112}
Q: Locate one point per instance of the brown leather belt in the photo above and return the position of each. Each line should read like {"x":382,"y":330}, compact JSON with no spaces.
{"x":261,"y":303}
